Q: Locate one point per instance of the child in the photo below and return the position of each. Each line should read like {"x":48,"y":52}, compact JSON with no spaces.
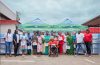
{"x":29,"y":47}
{"x":34,"y":43}
{"x":23,"y":44}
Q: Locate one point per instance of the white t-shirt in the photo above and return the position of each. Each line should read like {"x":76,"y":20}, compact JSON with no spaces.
{"x":79,"y":37}
{"x":65,"y":38}
{"x":34,"y":43}
{"x":9,"y":37}
{"x":18,"y":37}
{"x":60,"y":38}
{"x":42,"y":36}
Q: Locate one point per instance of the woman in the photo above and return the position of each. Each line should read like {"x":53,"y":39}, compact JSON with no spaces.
{"x":43,"y":47}
{"x":65,"y":43}
{"x":61,"y":42}
{"x":39,"y":46}
{"x":24,"y":44}
{"x":74,"y":40}
{"x":53,"y":46}
{"x":47,"y":39}
{"x":70,"y":45}
{"x":88,"y":41}
{"x":8,"y":42}
{"x":16,"y":39}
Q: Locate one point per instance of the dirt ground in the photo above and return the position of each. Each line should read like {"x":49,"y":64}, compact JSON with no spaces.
{"x":45,"y":60}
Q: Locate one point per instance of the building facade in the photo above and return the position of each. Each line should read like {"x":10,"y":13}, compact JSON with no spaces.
{"x":93,"y":24}
{"x":94,"y":27}
{"x":6,"y":13}
{"x":7,"y":19}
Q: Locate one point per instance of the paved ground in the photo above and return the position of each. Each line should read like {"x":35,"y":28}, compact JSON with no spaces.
{"x":45,"y":60}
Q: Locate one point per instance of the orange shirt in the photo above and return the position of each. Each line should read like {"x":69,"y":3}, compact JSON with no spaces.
{"x":53,"y":42}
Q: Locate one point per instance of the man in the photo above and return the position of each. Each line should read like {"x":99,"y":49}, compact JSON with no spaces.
{"x":16,"y":39}
{"x":79,"y":40}
{"x":88,"y":42}
{"x":29,"y":44}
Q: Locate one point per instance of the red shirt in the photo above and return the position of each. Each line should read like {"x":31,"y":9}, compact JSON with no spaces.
{"x":87,"y":37}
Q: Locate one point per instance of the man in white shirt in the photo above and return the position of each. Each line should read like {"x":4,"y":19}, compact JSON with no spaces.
{"x":79,"y":40}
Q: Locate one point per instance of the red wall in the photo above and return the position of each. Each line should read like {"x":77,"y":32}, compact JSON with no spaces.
{"x":94,"y":29}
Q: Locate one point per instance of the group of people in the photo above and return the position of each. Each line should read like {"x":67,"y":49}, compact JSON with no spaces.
{"x":38,"y":42}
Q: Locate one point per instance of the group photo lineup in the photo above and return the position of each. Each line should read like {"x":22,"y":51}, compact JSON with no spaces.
{"x":49,"y":32}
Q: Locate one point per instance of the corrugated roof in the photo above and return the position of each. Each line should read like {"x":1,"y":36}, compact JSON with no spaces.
{"x":93,"y":22}
{"x":9,"y":22}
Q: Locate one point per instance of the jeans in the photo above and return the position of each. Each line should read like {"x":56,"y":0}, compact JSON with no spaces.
{"x":80,"y":46}
{"x":8,"y":47}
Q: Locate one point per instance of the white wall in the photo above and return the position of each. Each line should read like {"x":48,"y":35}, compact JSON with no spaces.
{"x":6,"y":11}
{"x":4,"y":28}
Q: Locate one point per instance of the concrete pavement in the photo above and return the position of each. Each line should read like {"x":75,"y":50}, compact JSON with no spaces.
{"x":45,"y":60}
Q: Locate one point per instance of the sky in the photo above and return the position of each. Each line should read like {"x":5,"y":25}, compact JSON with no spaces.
{"x":55,"y":11}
